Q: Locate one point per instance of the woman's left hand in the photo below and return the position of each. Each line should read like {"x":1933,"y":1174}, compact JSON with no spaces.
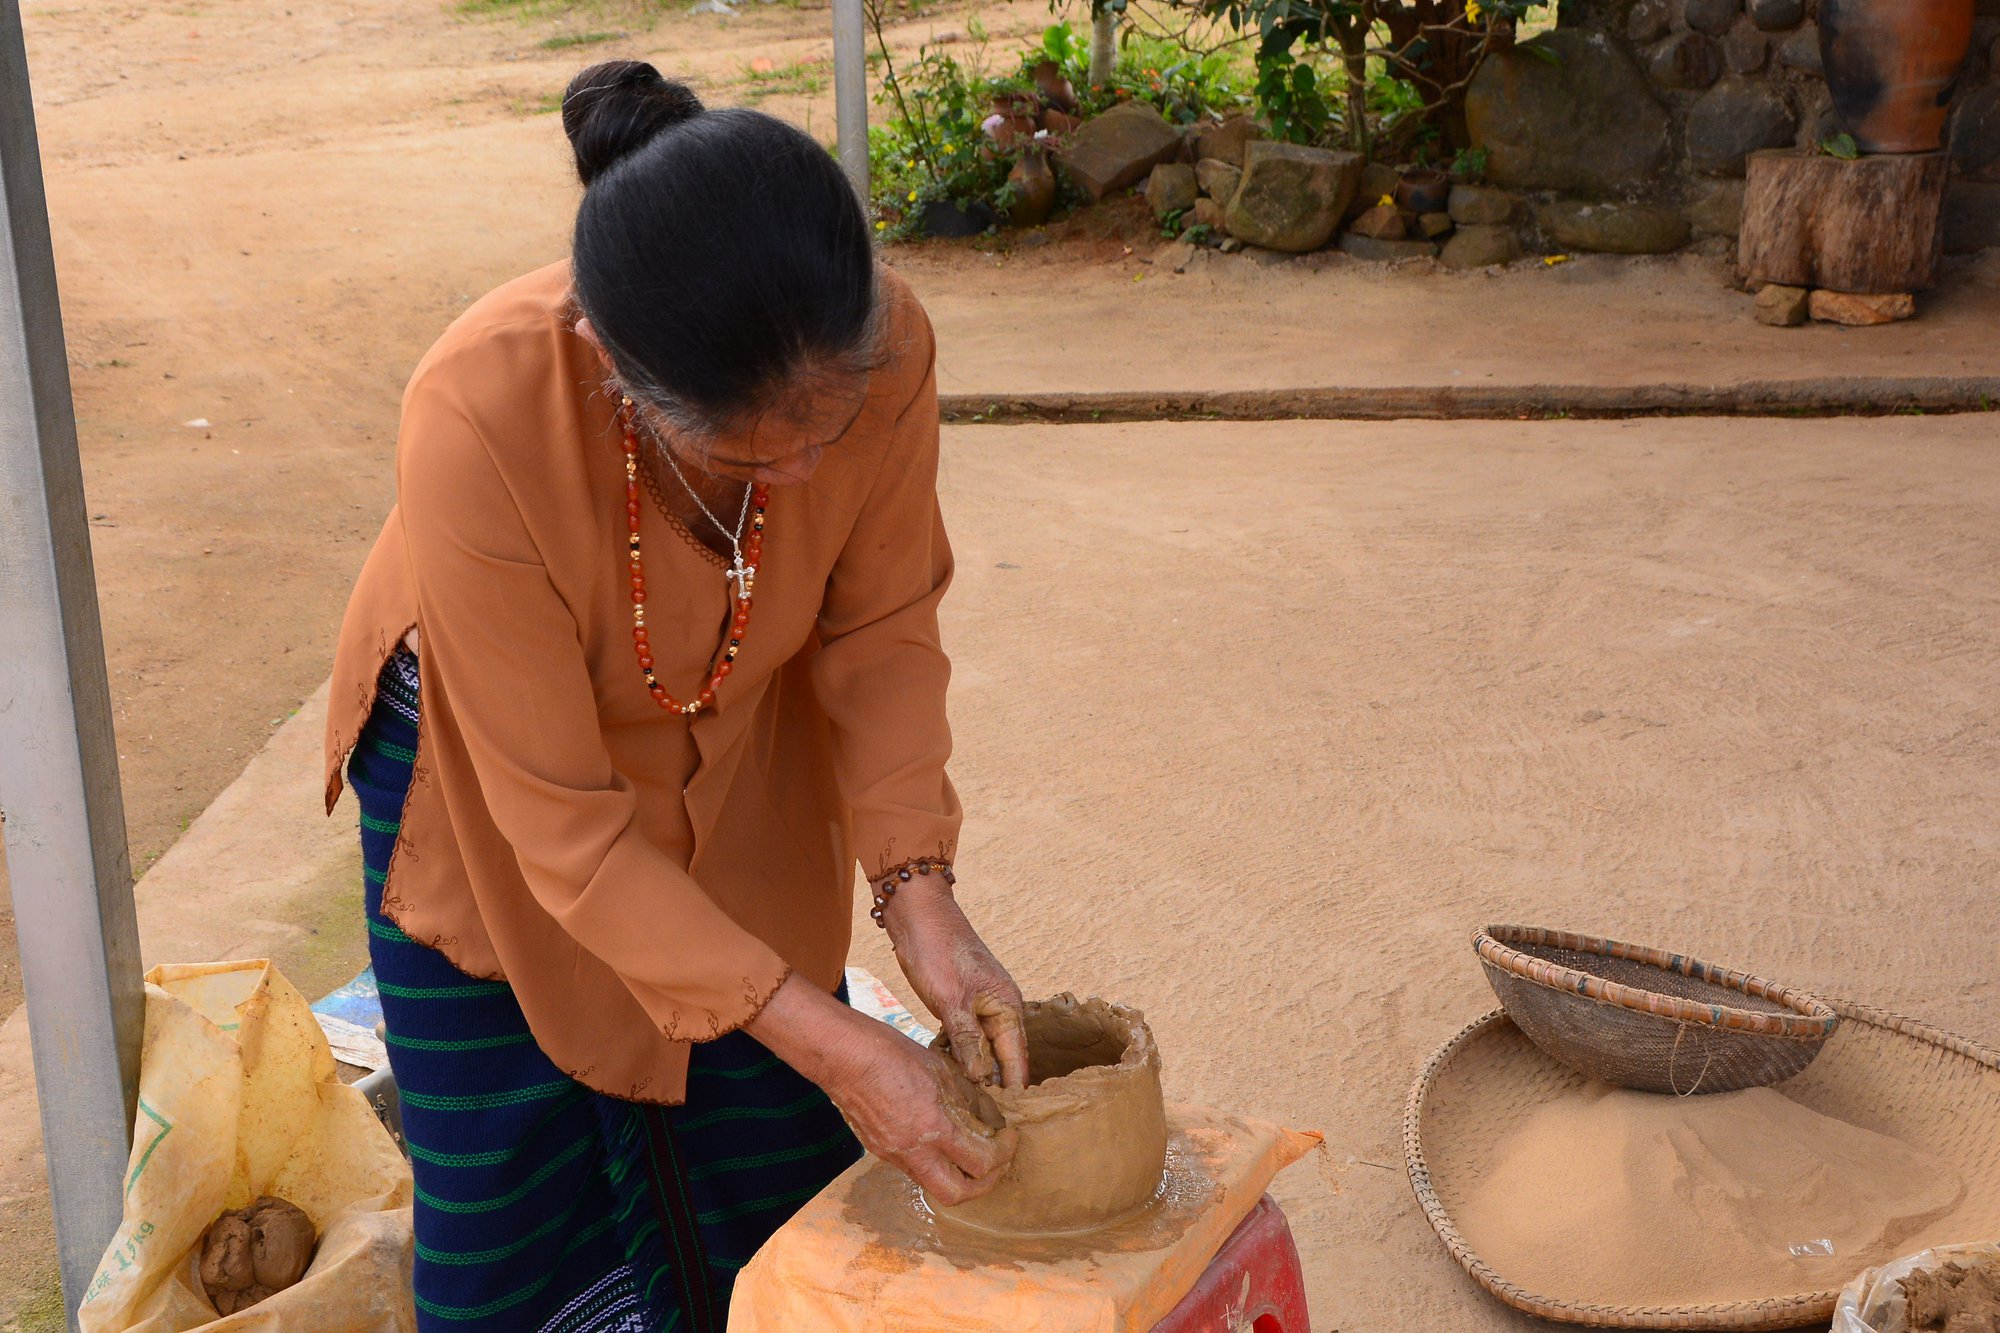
{"x":953,"y":972}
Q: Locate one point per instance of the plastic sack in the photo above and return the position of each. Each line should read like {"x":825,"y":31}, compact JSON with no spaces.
{"x":1873,"y":1303}
{"x":859,"y":1258}
{"x":238,"y":1098}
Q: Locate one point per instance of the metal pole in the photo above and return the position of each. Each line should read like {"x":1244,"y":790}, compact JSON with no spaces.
{"x":65,"y":831}
{"x":850,"y":91}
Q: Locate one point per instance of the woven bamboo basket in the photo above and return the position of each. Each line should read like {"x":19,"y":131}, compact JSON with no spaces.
{"x":1937,"y":1092}
{"x":1649,"y":1019}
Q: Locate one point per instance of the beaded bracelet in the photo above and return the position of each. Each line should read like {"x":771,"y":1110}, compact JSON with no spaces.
{"x":886,"y":889}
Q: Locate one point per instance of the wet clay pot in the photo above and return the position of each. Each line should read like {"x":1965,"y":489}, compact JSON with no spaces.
{"x":1034,"y":190}
{"x":1423,"y":190}
{"x":1093,"y":1133}
{"x":1892,"y":66}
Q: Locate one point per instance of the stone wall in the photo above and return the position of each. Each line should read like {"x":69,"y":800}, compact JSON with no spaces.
{"x":1659,"y":102}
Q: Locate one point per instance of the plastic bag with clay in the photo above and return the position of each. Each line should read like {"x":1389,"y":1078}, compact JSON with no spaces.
{"x":239,"y":1100}
{"x":1873,"y":1302}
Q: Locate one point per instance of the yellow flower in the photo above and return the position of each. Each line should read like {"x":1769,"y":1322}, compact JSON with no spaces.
{"x":913,"y":196}
{"x":1473,"y":9}
{"x":1386,"y":201}
{"x":1553,"y":260}
{"x":881,"y":226}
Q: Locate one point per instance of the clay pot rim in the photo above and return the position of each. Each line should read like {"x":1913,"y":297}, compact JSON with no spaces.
{"x":1139,"y":1053}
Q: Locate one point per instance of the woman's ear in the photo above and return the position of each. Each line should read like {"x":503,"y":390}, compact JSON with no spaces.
{"x":588,"y":332}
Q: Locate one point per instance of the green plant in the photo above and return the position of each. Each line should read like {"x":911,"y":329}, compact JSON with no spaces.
{"x":1841,"y":146}
{"x":801,"y":78}
{"x":564,"y":40}
{"x":1290,"y":97}
{"x":1407,"y":63}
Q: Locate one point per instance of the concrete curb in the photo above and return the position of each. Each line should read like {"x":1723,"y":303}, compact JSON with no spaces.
{"x":1881,"y":396}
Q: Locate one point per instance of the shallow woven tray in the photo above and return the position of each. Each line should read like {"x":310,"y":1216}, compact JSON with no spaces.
{"x":1648,"y":1019}
{"x":1938,"y":1092}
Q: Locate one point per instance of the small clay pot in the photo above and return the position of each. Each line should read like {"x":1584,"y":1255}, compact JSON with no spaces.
{"x":1034,"y":191}
{"x":1093,"y":1132}
{"x":1892,"y":66}
{"x":1423,"y":190}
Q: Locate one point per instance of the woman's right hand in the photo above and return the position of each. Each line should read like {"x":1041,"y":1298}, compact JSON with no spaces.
{"x":908,"y":1106}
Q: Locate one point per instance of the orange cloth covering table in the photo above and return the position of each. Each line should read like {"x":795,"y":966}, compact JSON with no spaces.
{"x":864,"y":1257}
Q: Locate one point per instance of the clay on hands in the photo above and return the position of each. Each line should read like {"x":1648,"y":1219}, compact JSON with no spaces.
{"x":253,"y":1253}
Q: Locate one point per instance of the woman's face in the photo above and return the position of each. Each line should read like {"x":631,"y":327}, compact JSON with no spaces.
{"x":781,"y":446}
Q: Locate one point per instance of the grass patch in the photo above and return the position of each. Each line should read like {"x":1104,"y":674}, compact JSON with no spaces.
{"x":801,"y":78}
{"x":563,"y":41}
{"x":541,"y":106}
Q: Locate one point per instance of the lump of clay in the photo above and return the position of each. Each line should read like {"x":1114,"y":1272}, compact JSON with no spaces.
{"x":254,"y":1253}
{"x":1955,"y":1298}
{"x":1093,"y":1132}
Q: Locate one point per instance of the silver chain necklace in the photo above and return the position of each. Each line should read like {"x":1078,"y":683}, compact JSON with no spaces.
{"x":738,"y":572}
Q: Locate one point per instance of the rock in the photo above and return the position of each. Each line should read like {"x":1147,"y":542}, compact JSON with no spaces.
{"x":1171,"y":189}
{"x":1216,"y":178}
{"x":1800,"y":51}
{"x":1382,"y":222}
{"x":1777,"y":15}
{"x":1626,"y":229}
{"x":1746,"y":50}
{"x":1207,"y":213}
{"x":1378,"y":182}
{"x":1781,"y":306}
{"x":1118,"y":148}
{"x":1291,"y":197}
{"x":1230,"y":245}
{"x":1648,"y":21}
{"x":1226,"y":142}
{"x":1587,"y":122}
{"x":1434,"y":226}
{"x":1713,"y":17}
{"x":1482,"y":205}
{"x":1971,"y":217}
{"x":1174,"y":255}
{"x":1481,"y":245}
{"x":1975,"y":134}
{"x":1687,"y":60}
{"x":1860,"y":311}
{"x":1719,"y":209}
{"x":1386,"y":252}
{"x":1734,"y":119}
{"x":1817,"y":122}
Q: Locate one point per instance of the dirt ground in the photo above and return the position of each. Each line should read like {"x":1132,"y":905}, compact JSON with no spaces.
{"x":262,"y":216}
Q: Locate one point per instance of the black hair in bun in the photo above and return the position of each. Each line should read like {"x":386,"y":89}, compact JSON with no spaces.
{"x":614,"y":108}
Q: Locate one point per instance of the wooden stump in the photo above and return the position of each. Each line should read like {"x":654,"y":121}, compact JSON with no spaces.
{"x":1871,"y":225}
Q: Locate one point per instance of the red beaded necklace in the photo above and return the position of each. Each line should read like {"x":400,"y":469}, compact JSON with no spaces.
{"x":744,"y":575}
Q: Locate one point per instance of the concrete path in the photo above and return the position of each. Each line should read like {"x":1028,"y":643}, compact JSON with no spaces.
{"x":1258,"y":722}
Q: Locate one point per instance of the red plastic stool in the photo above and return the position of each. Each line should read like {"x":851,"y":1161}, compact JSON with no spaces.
{"x":1253,"y":1285}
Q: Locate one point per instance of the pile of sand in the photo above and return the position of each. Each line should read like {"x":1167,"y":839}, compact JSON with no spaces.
{"x":1636,"y":1198}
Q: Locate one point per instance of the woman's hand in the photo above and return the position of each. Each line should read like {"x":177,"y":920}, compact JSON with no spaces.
{"x":954,"y":973}
{"x":909,"y":1107}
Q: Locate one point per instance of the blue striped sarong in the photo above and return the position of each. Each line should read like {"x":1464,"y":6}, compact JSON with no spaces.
{"x":543,"y":1206}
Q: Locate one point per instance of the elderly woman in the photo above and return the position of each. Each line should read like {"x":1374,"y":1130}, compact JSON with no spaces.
{"x":645,"y":658}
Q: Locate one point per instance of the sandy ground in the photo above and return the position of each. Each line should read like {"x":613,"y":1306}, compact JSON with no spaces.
{"x":263,"y":215}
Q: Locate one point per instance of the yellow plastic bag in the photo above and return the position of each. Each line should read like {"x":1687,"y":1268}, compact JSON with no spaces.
{"x":238,"y":1098}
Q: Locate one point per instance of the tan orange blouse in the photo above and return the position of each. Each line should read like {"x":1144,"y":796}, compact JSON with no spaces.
{"x":641,"y":880}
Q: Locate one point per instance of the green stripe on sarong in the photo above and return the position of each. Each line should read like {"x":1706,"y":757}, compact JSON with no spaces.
{"x":486,"y":1101}
{"x":726,"y":1113}
{"x":471,"y":990}
{"x":514,"y":1298}
{"x":383,"y":930}
{"x":519,"y":1192}
{"x":466,"y":1044}
{"x":727,"y":1164}
{"x":715,"y":1215}
{"x":389,"y":750}
{"x":498,"y":1156}
{"x":375,"y":825}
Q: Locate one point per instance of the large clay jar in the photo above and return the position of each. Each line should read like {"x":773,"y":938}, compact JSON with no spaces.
{"x":1892,"y":66}
{"x":1093,"y":1134}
